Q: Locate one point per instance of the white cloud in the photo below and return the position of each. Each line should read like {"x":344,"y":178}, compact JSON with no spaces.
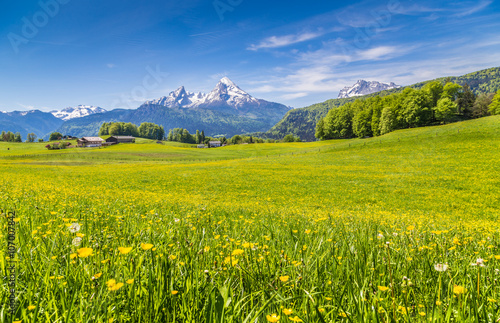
{"x":471,"y":10}
{"x":282,"y":41}
{"x":110,"y":65}
{"x":379,"y":53}
{"x":292,"y":96}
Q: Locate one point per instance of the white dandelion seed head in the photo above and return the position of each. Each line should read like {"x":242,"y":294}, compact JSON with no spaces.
{"x":74,"y":227}
{"x":76,"y":241}
{"x":441,"y":267}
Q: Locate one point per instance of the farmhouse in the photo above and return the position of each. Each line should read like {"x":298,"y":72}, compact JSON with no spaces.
{"x":120,"y":140}
{"x":90,"y":142}
{"x":213,"y":144}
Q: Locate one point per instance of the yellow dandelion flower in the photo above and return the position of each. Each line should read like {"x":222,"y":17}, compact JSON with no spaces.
{"x":130,"y":281}
{"x":273,"y":318}
{"x":146,"y":246}
{"x":247,"y":245}
{"x":115,"y":287}
{"x":84,"y":252}
{"x":31,"y":307}
{"x":284,"y":279}
{"x":111,"y":282}
{"x":459,"y":290}
{"x":295,"y":319}
{"x":383,"y":288}
{"x":124,"y":250}
{"x":174,"y":292}
{"x":237,"y":252}
{"x":287,"y":311}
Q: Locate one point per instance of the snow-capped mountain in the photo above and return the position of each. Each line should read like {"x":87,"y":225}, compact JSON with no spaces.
{"x":225,"y":94}
{"x":226,"y":110}
{"x":179,"y":98}
{"x":363,"y":87}
{"x":78,"y":112}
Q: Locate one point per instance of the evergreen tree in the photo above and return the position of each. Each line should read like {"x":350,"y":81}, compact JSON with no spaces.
{"x":466,"y":101}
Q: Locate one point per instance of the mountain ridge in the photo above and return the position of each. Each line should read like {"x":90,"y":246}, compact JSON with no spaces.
{"x":226,"y":110}
{"x":76,"y":112}
{"x":362,"y":87}
{"x":302,"y":121}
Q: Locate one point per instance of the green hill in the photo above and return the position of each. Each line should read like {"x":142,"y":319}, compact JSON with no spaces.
{"x":302,"y":122}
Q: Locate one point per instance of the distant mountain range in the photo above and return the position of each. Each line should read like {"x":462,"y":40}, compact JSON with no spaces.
{"x":226,"y":110}
{"x":302,"y":122}
{"x":42,"y":123}
{"x":363,"y":87}
{"x":78,"y":112}
{"x":34,"y":121}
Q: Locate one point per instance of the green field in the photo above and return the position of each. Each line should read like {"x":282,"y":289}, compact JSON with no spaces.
{"x":333,"y":231}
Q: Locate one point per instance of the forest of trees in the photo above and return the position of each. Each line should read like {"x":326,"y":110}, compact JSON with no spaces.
{"x":434,"y":104}
{"x":11,"y":137}
{"x":146,"y":130}
{"x":183,"y":135}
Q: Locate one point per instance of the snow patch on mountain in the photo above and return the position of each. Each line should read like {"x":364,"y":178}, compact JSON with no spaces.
{"x":363,"y":87}
{"x":77,"y":112}
{"x":225,"y":92}
{"x":179,"y":98}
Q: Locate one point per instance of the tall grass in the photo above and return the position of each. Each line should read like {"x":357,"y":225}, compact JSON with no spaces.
{"x":341,"y":231}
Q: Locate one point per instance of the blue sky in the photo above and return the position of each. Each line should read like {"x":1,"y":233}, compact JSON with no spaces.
{"x":116,"y":54}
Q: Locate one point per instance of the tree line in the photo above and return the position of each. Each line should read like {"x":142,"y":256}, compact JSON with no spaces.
{"x":183,"y":135}
{"x":146,"y":130}
{"x":11,"y":137}
{"x":434,"y":104}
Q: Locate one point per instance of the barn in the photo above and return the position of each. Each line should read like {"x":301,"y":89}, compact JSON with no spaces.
{"x":213,"y":144}
{"x":120,"y":140}
{"x":90,"y":142}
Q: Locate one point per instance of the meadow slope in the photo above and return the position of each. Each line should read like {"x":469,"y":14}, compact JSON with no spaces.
{"x":333,"y":231}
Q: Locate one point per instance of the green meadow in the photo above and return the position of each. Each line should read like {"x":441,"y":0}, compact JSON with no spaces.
{"x":398,"y":228}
